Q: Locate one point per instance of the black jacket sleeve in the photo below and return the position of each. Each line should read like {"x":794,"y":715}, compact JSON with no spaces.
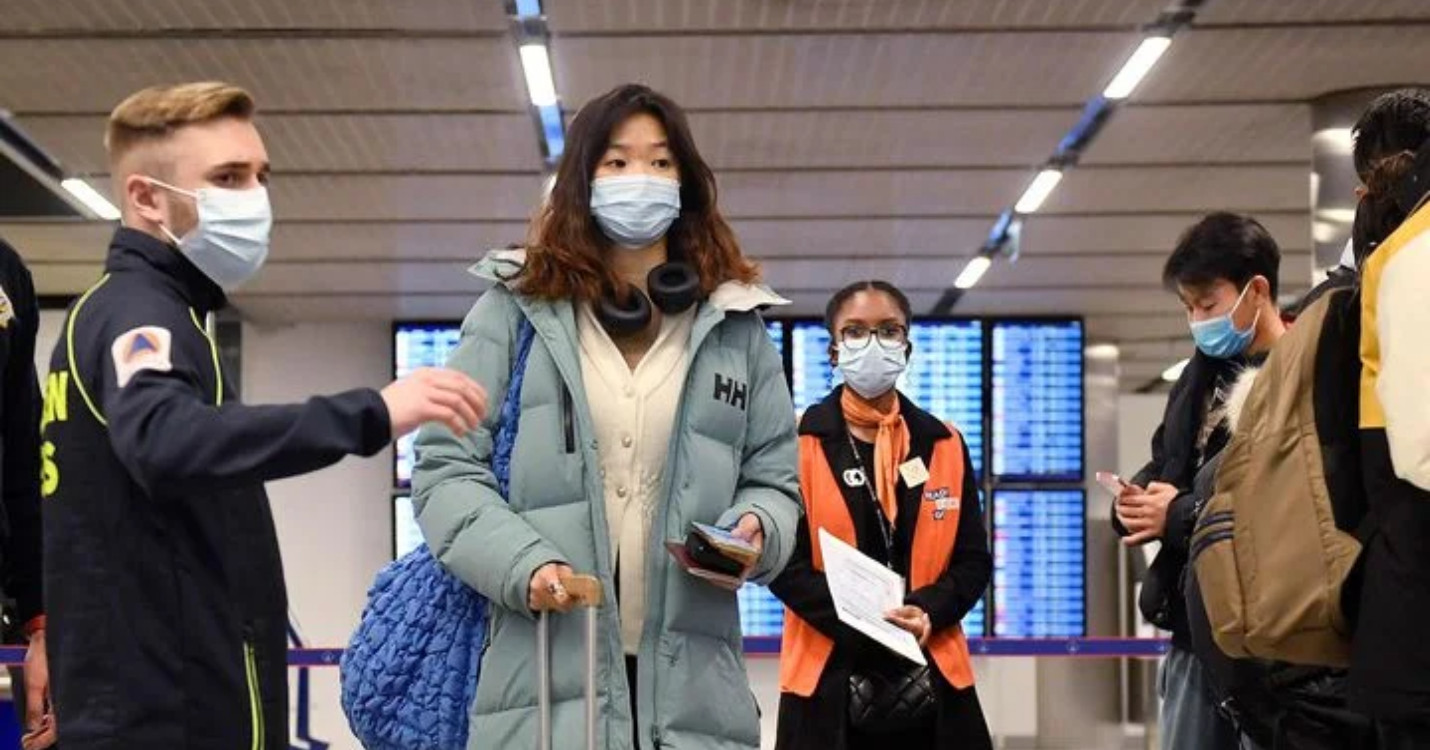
{"x":1181,"y":517}
{"x":965,"y":580}
{"x":1147,"y":475}
{"x":170,"y":437}
{"x":804,"y":589}
{"x":20,"y":445}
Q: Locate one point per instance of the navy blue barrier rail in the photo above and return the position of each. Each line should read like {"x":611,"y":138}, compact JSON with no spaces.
{"x":1087,"y":648}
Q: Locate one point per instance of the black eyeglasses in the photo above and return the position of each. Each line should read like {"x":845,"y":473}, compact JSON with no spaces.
{"x":891,"y":336}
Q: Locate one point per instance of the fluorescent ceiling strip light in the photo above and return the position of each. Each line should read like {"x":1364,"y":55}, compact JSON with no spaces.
{"x":1137,"y":67}
{"x":536,"y":64}
{"x":90,"y":198}
{"x":1173,"y":373}
{"x":977,"y":266}
{"x":1038,"y":191}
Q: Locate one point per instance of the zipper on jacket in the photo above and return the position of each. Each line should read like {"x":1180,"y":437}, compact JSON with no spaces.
{"x":255,"y":696}
{"x":568,"y":421}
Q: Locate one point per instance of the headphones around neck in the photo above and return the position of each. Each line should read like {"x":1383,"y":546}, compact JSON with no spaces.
{"x":674,"y":287}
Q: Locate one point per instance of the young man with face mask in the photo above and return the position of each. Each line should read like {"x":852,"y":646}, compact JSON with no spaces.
{"x":1224,"y":270}
{"x":166,"y":605}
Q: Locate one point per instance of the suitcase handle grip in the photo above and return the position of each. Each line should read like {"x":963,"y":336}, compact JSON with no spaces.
{"x":588,"y":594}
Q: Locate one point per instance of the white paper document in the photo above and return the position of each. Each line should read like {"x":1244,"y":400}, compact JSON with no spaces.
{"x":863,"y":590}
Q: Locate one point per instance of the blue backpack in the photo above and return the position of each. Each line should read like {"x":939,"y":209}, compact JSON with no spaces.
{"x":410,"y":673}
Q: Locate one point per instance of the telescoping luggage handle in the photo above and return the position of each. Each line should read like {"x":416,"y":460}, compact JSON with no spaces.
{"x":586,"y":591}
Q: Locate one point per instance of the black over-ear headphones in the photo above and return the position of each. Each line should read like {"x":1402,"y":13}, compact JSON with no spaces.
{"x":674,"y":288}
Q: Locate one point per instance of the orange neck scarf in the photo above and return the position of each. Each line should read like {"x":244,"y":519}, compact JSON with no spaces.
{"x":891,"y":445}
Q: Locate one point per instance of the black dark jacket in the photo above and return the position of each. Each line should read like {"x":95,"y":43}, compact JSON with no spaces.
{"x":164,"y":588}
{"x":19,"y":436}
{"x":1175,"y":461}
{"x":819,"y":722}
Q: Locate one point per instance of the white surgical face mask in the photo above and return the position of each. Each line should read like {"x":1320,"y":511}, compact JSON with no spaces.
{"x":635,"y":211}
{"x":230,"y":242}
{"x":873,"y":370}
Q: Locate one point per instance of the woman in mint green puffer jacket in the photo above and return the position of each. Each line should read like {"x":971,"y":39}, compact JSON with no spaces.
{"x":731,"y":456}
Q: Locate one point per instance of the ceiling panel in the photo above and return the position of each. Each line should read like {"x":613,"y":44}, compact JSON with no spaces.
{"x":1165,"y":326}
{"x":311,"y":74}
{"x":846,"y":70}
{"x":1150,"y":232}
{"x":1077,"y":301}
{"x":1278,"y":64}
{"x":31,"y":16}
{"x":1114,"y":276}
{"x":1228,"y":134}
{"x":625,"y":16}
{"x":58,"y":241}
{"x":825,"y":238}
{"x":1204,"y":188}
{"x":869,"y":194}
{"x":837,"y":237}
{"x":330,"y":143}
{"x":406,"y":198}
{"x":878,"y":138}
{"x":1311,"y":11}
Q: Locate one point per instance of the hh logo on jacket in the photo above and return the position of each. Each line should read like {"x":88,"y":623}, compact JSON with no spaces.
{"x":731,"y":391}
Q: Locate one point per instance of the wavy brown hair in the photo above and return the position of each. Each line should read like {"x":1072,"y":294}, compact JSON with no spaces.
{"x":565,"y":246}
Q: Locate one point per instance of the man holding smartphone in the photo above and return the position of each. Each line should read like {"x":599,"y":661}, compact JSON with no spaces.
{"x":1224,"y":271}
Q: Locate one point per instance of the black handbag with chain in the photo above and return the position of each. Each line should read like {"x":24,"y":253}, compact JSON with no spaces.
{"x":893,"y":697}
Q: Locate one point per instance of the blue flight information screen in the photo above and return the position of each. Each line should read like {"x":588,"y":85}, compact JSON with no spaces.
{"x":945,"y":375}
{"x":1037,"y":401}
{"x":1038,"y":563}
{"x":762,"y":615}
{"x":776,"y":330}
{"x":406,"y":536}
{"x":417,"y":346}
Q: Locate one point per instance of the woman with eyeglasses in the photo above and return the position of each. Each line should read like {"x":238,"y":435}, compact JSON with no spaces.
{"x":896,"y":482}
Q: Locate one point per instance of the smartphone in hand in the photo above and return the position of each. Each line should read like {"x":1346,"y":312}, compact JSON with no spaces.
{"x":1112,"y":483}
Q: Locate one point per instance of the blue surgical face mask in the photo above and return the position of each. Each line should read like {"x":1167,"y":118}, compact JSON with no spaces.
{"x":1218,"y":337}
{"x":873,"y":370}
{"x":230,"y":242}
{"x":635,"y":211}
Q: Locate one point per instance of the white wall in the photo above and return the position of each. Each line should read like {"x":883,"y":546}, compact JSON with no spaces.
{"x":52,"y":324}
{"x":334,"y":526}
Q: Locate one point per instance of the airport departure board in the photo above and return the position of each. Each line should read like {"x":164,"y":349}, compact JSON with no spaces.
{"x":945,"y":375}
{"x":406,"y":536}
{"x":1037,"y":401}
{"x":1038,"y":563}
{"x":1034,"y":413}
{"x":416,"y":346}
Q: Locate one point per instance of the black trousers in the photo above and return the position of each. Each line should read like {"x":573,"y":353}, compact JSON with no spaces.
{"x":1398,"y":736}
{"x":635,"y":720}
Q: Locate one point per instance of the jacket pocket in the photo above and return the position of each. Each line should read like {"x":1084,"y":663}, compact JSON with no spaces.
{"x":703,"y":689}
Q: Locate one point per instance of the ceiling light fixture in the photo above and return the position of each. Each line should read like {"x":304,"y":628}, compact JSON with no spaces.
{"x":1137,"y":66}
{"x":1038,"y":192}
{"x":977,"y":266}
{"x":536,"y":64}
{"x":90,"y":198}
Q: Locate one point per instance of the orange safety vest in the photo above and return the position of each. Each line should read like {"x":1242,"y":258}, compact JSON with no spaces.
{"x":805,"y":651}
